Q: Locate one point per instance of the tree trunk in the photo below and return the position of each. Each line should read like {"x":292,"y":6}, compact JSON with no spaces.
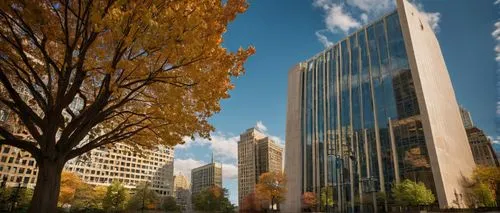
{"x":47,"y":187}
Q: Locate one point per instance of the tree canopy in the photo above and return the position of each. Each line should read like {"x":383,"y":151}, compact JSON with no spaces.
{"x":76,"y":75}
{"x":410,"y":193}
{"x":70,"y":183}
{"x":213,"y":199}
{"x":272,"y":187}
{"x":144,"y":198}
{"x":116,"y":197}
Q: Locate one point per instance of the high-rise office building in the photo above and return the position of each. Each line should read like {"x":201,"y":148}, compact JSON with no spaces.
{"x":372,"y":110}
{"x":99,"y":168}
{"x":482,"y":149}
{"x":257,"y":154}
{"x":182,"y":191}
{"x":206,"y":176}
{"x":104,"y":165}
{"x":466,"y":118}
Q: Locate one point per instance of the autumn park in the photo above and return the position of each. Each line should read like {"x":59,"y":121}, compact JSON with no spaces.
{"x":95,"y":95}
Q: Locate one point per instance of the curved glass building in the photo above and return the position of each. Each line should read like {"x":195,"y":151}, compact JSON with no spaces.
{"x":372,"y":110}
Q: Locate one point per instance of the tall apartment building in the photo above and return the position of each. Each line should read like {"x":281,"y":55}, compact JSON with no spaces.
{"x":257,"y":154}
{"x":482,"y":149}
{"x":372,"y":110}
{"x":206,"y":176}
{"x":103,"y":165}
{"x":17,"y":167}
{"x":466,"y":118}
{"x":182,"y":191}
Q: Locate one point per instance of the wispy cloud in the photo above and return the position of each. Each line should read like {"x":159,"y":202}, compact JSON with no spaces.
{"x":344,"y":18}
{"x":496,"y":36}
{"x":224,"y":146}
{"x":323,"y":39}
{"x":260,"y":126}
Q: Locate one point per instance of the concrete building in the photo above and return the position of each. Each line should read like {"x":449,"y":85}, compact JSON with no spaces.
{"x":372,"y":110}
{"x":206,"y":176}
{"x":482,"y":149}
{"x":182,"y":191}
{"x":17,"y":167}
{"x":103,"y":165}
{"x":257,"y":154}
{"x":466,"y":118}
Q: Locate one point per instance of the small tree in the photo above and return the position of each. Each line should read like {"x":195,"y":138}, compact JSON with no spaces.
{"x":70,"y":182}
{"x":213,"y":199}
{"x":170,"y":204}
{"x":144,"y":198}
{"x":327,"y":196}
{"x":88,"y":197}
{"x":251,"y":203}
{"x":409,"y":193}
{"x":309,"y":201}
{"x":116,"y":197}
{"x":272,"y":187}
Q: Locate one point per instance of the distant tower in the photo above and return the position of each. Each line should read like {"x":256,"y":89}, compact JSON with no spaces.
{"x":466,"y":118}
{"x":257,"y":154}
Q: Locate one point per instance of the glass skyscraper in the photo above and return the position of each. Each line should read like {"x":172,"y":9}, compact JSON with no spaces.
{"x":372,"y":110}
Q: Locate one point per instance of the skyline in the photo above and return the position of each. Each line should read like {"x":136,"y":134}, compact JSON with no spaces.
{"x":259,"y":98}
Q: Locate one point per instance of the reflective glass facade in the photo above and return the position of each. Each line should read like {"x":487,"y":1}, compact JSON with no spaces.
{"x":362,"y":129}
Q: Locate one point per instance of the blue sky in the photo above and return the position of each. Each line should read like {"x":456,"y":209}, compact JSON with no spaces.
{"x":285,"y":32}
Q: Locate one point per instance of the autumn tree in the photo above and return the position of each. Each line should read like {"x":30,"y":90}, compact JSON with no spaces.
{"x":251,"y":203}
{"x":272,"y":187}
{"x":88,"y":198}
{"x":483,"y":188}
{"x":70,"y":182}
{"x":144,"y":198}
{"x":309,"y":201}
{"x":77,"y":75}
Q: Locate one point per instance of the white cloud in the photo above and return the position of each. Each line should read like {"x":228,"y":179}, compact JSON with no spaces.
{"x":497,"y":2}
{"x":184,"y":166}
{"x":496,"y":36}
{"x":260,"y":126}
{"x":374,"y":7}
{"x":224,"y":147}
{"x":229,"y":171}
{"x":344,"y":18}
{"x":323,"y":39}
{"x":338,"y":19}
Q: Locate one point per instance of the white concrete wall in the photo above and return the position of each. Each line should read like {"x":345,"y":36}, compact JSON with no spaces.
{"x":450,"y":155}
{"x":293,"y":149}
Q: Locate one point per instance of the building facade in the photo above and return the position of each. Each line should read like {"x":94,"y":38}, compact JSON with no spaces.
{"x":104,"y":165}
{"x":17,"y":167}
{"x":482,"y":149}
{"x":206,"y":176}
{"x":257,"y":154}
{"x":182,"y":191}
{"x":374,"y":109}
